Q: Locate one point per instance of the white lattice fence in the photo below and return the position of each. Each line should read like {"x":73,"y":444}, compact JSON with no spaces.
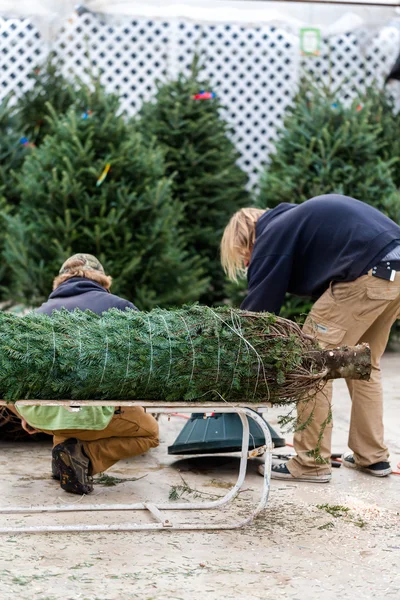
{"x":254,"y":70}
{"x":21,"y":49}
{"x":354,"y":61}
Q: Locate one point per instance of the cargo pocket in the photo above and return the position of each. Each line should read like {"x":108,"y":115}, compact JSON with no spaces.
{"x":328,"y":334}
{"x":377,"y":298}
{"x":383,"y":293}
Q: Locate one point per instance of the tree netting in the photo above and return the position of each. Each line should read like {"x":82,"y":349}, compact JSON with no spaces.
{"x":194,"y":353}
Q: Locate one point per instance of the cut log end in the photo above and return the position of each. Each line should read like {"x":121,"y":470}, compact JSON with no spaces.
{"x":346,"y":362}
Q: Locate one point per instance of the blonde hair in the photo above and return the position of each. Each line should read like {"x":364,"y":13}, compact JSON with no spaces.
{"x":238,"y":241}
{"x":76,"y":268}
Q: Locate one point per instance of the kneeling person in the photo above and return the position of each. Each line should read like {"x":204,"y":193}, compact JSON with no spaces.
{"x":94,"y":438}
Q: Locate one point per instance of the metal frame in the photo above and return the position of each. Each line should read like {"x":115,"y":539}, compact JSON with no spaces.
{"x":156,"y":509}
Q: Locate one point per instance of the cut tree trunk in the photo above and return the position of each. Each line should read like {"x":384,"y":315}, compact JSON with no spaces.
{"x":347,"y":362}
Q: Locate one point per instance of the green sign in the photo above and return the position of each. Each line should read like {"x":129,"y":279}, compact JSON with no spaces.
{"x":310,"y":41}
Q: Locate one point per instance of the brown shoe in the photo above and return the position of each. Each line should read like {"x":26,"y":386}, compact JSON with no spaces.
{"x":73,"y":465}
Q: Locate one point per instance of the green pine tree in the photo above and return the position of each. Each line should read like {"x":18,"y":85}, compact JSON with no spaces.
{"x":327,"y":147}
{"x":128,"y":220}
{"x":12,"y":155}
{"x":202,"y":159}
{"x":12,"y":151}
{"x":383,"y":111}
{"x":23,"y":126}
{"x":50,"y":89}
{"x":24,"y":123}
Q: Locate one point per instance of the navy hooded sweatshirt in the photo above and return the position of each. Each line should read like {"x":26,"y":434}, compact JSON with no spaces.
{"x":85,"y":294}
{"x":301,"y":248}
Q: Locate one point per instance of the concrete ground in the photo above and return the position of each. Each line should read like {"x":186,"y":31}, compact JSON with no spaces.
{"x":333,"y":541}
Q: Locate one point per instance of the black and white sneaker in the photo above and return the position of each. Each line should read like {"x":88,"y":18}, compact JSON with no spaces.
{"x":282,"y":472}
{"x":73,"y":466}
{"x":379,"y":469}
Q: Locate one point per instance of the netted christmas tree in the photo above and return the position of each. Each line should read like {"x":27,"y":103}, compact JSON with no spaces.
{"x":328,"y":147}
{"x":197,"y":353}
{"x":200,"y":155}
{"x":93,"y":186}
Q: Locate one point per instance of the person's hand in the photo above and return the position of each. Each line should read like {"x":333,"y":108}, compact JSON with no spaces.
{"x":26,"y":427}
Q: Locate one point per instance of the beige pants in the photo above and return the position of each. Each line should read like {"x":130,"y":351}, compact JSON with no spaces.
{"x":128,"y":434}
{"x":363,"y":310}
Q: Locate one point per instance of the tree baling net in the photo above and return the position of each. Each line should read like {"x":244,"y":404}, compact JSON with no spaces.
{"x":191,"y":354}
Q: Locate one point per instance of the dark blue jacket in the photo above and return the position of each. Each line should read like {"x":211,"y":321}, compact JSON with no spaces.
{"x":85,"y":294}
{"x":301,"y":248}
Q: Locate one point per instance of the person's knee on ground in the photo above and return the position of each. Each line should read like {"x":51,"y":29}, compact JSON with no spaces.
{"x":75,"y":460}
{"x":127,"y":437}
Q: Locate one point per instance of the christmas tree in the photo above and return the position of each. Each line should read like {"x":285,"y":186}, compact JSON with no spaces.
{"x":188,"y":354}
{"x":24,"y":121}
{"x":12,"y":148}
{"x":93,"y":186}
{"x":23,"y":125}
{"x":186,"y":121}
{"x":385,"y":113}
{"x":12,"y":153}
{"x":50,"y":89}
{"x":327,"y":147}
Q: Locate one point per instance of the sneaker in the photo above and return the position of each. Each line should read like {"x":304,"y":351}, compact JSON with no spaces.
{"x":73,"y":466}
{"x":282,"y":472}
{"x":379,"y":469}
{"x":55,"y":471}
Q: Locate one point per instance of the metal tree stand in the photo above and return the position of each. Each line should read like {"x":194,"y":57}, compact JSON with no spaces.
{"x":157,"y":510}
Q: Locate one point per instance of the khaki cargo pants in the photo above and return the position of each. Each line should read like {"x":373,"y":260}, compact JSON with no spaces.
{"x":363,"y":310}
{"x":129,"y":433}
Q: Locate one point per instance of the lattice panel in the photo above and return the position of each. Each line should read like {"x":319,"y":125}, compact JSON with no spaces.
{"x":254,"y":70}
{"x":131,"y":56}
{"x":21,"y":49}
{"x":355,"y":60}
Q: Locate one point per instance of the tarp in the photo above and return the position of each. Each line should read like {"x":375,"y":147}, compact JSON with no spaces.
{"x":332,"y":19}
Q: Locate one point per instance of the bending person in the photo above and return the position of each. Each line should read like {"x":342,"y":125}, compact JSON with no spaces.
{"x":344,"y":254}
